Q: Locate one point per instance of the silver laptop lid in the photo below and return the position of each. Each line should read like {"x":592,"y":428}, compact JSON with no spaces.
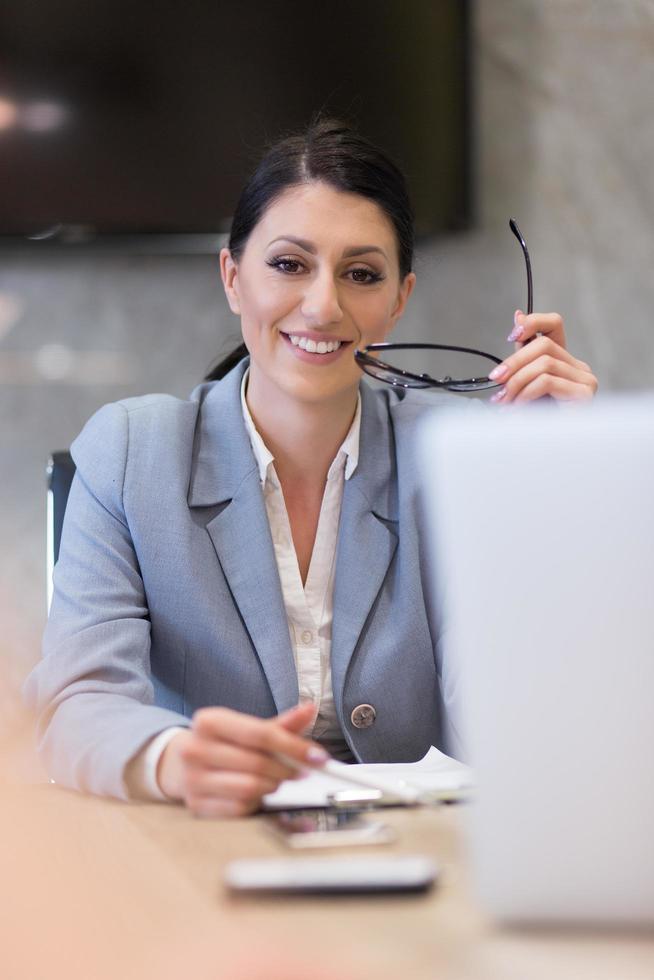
{"x":543,"y":536}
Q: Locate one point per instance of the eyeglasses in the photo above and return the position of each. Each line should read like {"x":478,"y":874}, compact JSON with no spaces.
{"x":462,"y":368}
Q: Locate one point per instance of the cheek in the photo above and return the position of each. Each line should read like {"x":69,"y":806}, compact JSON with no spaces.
{"x":374,"y":322}
{"x":263,"y":308}
{"x":256,"y":319}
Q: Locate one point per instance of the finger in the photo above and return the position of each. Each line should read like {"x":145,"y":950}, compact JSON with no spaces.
{"x":538,"y":347}
{"x":530,"y":352}
{"x":264,"y":735}
{"x":559,"y":388}
{"x":541,"y":366}
{"x":298,"y":719}
{"x":203,"y":753}
{"x":526,"y":326}
{"x":241,"y":786}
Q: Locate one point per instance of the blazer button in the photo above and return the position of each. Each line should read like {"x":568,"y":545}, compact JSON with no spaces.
{"x":363,"y":716}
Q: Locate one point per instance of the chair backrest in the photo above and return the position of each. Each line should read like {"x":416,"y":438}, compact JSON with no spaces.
{"x":60,"y":473}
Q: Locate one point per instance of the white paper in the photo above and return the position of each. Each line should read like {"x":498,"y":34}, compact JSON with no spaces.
{"x":435,"y":772}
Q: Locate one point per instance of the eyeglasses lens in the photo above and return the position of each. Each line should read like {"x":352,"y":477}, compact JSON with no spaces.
{"x":455,"y":370}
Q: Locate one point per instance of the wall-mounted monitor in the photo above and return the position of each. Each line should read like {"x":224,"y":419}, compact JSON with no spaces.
{"x":127,"y":117}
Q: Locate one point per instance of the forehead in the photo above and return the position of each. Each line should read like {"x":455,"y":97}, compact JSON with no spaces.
{"x":328,"y":217}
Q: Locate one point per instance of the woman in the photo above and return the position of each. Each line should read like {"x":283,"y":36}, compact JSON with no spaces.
{"x":244,"y":569}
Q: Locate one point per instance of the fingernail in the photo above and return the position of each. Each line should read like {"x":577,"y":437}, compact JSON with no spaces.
{"x":516,"y":315}
{"x":499,"y":395}
{"x":516,"y":333}
{"x":317,"y":755}
{"x":498,"y":372}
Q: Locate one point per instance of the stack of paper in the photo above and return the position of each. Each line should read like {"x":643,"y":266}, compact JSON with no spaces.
{"x":436,"y":774}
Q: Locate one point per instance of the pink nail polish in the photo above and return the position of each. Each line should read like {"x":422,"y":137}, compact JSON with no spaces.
{"x":498,"y":372}
{"x":499,"y":395}
{"x":317,"y":755}
{"x":516,"y":333}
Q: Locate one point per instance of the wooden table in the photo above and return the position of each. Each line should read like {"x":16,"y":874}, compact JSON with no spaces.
{"x":94,"y":888}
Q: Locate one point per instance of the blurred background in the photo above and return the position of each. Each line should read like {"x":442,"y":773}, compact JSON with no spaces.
{"x":125,"y":135}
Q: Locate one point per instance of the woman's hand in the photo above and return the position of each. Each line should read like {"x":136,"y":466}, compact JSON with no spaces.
{"x":227,"y":761}
{"x":542,"y":365}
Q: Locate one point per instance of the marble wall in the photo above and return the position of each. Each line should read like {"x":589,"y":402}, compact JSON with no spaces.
{"x":567,"y":141}
{"x":564,"y":142}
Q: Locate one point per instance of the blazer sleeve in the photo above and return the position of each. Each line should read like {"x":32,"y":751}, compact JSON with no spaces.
{"x":92,"y":691}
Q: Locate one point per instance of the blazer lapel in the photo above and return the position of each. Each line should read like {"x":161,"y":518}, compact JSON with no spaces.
{"x":367,"y":537}
{"x":241,"y":537}
{"x":225,"y":472}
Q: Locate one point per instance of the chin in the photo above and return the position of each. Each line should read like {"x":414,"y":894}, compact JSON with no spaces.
{"x":309,"y":390}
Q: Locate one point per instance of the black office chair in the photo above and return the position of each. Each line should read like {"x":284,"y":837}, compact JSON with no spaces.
{"x":60,"y":473}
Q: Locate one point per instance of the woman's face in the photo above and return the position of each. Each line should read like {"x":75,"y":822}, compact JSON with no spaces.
{"x":318,"y":277}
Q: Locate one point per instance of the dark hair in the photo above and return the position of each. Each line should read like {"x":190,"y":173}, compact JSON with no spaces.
{"x":331,"y":151}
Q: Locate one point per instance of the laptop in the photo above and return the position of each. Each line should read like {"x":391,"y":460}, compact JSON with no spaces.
{"x":540,"y":521}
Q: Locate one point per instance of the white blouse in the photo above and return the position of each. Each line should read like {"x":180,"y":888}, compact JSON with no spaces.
{"x":310,"y":608}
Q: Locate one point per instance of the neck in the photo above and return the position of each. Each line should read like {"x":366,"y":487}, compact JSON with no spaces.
{"x":304,"y":437}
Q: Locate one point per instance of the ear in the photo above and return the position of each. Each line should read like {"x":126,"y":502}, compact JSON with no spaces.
{"x":229,"y":274}
{"x":405,"y":290}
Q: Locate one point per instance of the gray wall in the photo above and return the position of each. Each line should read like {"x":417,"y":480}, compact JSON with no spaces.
{"x":565,"y":141}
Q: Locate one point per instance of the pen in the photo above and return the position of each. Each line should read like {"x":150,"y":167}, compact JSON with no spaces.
{"x":348,"y":773}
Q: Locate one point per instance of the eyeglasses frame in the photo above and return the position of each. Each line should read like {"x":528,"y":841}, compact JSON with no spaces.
{"x":365,"y":360}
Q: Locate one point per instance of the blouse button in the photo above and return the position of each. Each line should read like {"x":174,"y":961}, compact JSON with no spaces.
{"x":306,"y":636}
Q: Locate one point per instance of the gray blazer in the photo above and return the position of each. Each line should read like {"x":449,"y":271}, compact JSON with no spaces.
{"x":167,"y":596}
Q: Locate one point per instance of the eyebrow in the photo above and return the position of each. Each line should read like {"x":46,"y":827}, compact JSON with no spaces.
{"x":310,"y":247}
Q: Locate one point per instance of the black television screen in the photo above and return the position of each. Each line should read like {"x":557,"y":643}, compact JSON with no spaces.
{"x":138,"y":117}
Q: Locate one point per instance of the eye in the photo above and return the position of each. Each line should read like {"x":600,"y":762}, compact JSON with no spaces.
{"x":283,"y":265}
{"x":292,"y":267}
{"x":371,"y":276}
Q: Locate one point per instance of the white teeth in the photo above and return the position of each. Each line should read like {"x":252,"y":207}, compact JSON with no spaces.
{"x":313,"y":347}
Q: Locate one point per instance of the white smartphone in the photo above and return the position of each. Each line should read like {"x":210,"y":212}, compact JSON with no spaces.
{"x":318,"y":876}
{"x":328,"y":828}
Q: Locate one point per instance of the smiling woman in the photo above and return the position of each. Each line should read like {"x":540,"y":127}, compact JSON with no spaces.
{"x":336,"y":282}
{"x":241,"y":585}
{"x":332,"y":155}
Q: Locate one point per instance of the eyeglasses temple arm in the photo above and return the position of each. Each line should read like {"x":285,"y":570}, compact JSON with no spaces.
{"x":513,"y":225}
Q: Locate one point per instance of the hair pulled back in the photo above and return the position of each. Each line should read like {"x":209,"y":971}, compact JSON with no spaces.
{"x":331,"y":151}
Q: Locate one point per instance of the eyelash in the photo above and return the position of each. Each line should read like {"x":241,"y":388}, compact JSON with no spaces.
{"x":277,"y":263}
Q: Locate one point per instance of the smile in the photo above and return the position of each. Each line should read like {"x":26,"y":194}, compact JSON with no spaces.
{"x":316,"y":351}
{"x":314,"y":347}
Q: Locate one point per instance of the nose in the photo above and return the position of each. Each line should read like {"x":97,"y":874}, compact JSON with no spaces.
{"x":320,"y":306}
